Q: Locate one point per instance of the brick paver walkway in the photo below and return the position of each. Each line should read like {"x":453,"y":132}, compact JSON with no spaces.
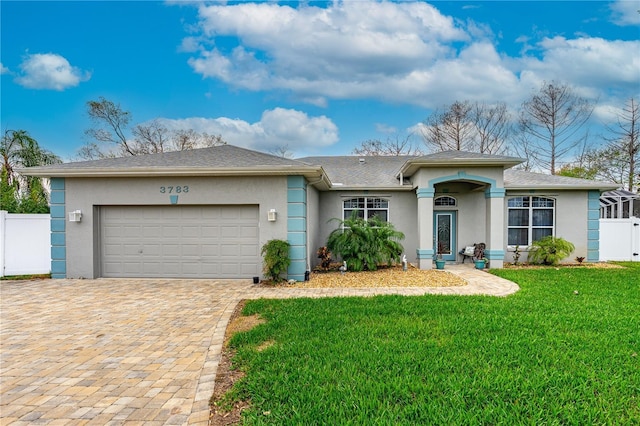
{"x":134,"y":351}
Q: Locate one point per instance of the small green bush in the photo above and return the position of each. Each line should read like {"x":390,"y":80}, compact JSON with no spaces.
{"x":365,"y":244}
{"x":276,"y":259}
{"x":550,"y":250}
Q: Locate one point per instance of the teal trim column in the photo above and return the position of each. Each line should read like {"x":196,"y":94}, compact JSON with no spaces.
{"x":495,"y":226}
{"x":593,"y":227}
{"x":425,"y":250}
{"x":297,"y":226}
{"x":58,"y":229}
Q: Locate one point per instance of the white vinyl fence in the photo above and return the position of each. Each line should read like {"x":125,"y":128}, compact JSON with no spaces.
{"x":25,"y":244}
{"x":620,"y":239}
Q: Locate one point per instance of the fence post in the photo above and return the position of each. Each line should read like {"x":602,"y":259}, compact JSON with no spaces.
{"x":3,"y":233}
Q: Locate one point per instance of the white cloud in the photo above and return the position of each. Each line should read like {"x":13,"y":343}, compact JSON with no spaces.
{"x":350,"y":49}
{"x":397,"y":52}
{"x":3,"y":69}
{"x":588,"y":63}
{"x":625,"y":12}
{"x":49,"y":71}
{"x":385,"y":128}
{"x":277,"y":128}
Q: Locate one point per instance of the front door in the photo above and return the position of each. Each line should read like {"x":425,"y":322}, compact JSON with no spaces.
{"x":444,"y":232}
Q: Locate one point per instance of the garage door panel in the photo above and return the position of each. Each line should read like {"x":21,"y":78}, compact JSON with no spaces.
{"x":230,"y":268}
{"x":170,"y":250}
{"x":248,"y":250}
{"x":180,"y":241}
{"x":191,"y":231}
{"x":112,"y":249}
{"x":248,"y":232}
{"x":151,"y":249}
{"x":150,"y":231}
{"x":228,"y":231}
{"x":191,"y":250}
{"x":229,"y":250}
{"x":131,"y":267}
{"x":171,"y":231}
{"x":210,"y":231}
{"x":132,"y":232}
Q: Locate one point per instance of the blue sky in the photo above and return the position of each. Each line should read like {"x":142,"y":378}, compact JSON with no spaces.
{"x":318,"y":77}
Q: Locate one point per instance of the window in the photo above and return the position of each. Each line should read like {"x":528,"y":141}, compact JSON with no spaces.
{"x":366,"y":208}
{"x":445,"y":201}
{"x":530,"y":219}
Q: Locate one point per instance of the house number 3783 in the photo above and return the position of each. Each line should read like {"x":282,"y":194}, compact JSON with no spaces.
{"x":174,"y":189}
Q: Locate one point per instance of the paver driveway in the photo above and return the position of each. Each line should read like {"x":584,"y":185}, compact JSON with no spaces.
{"x":112,"y":351}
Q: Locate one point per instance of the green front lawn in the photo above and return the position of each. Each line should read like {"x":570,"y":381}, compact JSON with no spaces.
{"x":544,"y":355}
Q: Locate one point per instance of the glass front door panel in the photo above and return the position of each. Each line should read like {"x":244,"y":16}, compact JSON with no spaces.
{"x":443,"y":239}
{"x":444,"y":235}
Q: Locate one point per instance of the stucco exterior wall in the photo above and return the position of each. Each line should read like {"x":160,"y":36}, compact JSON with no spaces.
{"x":571,"y":221}
{"x":313,"y":226}
{"x":402,"y":214}
{"x":423,"y":177}
{"x":87,"y":194}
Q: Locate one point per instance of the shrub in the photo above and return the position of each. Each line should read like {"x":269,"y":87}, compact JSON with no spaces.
{"x":276,"y":259}
{"x":550,"y":250}
{"x":365,"y":244}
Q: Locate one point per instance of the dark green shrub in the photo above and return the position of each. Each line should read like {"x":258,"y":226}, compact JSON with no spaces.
{"x":365,"y":244}
{"x":276,"y":259}
{"x":550,"y":250}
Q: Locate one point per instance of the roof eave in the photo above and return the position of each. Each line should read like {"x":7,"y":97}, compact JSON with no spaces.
{"x":398,"y":187}
{"x":411,"y":166}
{"x":601,"y":188}
{"x":310,"y":172}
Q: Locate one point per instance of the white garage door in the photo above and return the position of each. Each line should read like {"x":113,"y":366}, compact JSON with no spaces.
{"x":180,"y":241}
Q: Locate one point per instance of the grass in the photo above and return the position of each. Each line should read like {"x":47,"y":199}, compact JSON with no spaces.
{"x":25,"y":277}
{"x":544,"y":355}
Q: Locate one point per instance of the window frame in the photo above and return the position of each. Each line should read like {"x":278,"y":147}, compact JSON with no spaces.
{"x":365,"y":208}
{"x":442,"y":197}
{"x":530,"y":204}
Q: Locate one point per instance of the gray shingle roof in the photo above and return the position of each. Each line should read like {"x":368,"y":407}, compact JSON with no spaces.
{"x":221,"y":159}
{"x":373,"y":171}
{"x":367,"y":172}
{"x":520,"y":179}
{"x":464,"y":155}
{"x":217,"y":156}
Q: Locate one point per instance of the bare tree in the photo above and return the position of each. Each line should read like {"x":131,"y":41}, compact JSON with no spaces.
{"x":391,"y":147}
{"x":466,"y":126}
{"x":552,"y":120}
{"x":624,"y":141}
{"x":492,"y":125}
{"x":282,"y":151}
{"x":182,"y":140}
{"x":110,"y":124}
{"x":450,"y":129}
{"x":151,"y":138}
{"x":111,"y":127}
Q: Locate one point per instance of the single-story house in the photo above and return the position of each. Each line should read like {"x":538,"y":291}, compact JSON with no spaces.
{"x":206,"y":213}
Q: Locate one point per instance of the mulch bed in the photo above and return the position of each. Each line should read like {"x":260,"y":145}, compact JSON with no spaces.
{"x":392,"y":276}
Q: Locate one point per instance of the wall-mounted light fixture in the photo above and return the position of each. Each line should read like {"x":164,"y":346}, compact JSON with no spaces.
{"x":75,"y":216}
{"x":272,"y":215}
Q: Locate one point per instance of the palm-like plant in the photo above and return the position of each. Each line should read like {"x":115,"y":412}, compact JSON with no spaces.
{"x":550,"y":250}
{"x":19,"y":150}
{"x":365,"y":244}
